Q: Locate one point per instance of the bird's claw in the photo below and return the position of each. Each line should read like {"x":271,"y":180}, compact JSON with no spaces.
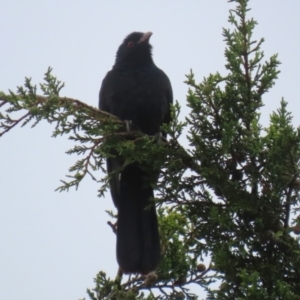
{"x":128,"y":124}
{"x":158,"y":137}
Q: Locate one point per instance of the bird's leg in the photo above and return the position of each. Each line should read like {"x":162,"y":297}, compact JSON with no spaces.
{"x":128,"y":125}
{"x":158,"y":137}
{"x":120,"y":273}
{"x":150,"y":279}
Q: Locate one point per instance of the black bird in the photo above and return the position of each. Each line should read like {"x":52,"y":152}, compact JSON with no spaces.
{"x":136,"y":90}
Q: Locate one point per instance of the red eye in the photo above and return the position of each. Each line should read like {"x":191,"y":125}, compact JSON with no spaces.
{"x":130,"y":44}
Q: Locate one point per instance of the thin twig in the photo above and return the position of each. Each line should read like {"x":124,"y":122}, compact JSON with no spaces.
{"x":14,"y":123}
{"x":113,"y":226}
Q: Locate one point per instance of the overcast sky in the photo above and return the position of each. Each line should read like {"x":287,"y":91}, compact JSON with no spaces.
{"x":53,"y":244}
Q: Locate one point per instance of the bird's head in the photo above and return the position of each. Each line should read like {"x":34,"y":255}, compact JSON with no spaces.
{"x":135,"y":49}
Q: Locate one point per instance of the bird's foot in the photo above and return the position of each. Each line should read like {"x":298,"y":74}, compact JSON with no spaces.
{"x":158,"y":137}
{"x":150,"y":279}
{"x":128,"y":124}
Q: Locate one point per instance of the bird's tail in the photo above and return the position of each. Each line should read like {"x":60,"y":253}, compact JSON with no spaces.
{"x":138,"y":246}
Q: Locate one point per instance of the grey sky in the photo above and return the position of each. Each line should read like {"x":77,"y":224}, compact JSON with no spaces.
{"x":53,"y":244}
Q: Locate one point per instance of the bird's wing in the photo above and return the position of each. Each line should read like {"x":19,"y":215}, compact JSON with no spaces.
{"x":169,"y":95}
{"x":113,"y":164}
{"x":104,"y":94}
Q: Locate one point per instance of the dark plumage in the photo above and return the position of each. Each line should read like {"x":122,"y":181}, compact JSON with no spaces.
{"x":136,"y":90}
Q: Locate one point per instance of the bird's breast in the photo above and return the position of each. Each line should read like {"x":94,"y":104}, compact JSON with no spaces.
{"x":139,"y":97}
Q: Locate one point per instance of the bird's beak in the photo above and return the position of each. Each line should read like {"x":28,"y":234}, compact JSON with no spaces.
{"x":145,"y":38}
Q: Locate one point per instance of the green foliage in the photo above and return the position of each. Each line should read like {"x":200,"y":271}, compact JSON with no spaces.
{"x":228,"y":197}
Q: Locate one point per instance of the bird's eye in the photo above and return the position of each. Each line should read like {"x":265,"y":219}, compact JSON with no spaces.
{"x":130,"y":44}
